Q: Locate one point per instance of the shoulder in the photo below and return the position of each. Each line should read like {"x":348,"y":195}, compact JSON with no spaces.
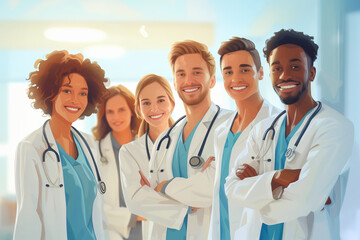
{"x":331,"y":120}
{"x":135,"y":145}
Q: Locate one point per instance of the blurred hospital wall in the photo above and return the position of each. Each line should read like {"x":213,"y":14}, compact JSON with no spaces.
{"x":132,"y":38}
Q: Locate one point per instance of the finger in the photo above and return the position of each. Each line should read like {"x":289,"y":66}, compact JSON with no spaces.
{"x":207,"y":163}
{"x":143,"y":178}
{"x":250,"y":170}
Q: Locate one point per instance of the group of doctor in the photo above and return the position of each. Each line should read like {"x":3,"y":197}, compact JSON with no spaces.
{"x":253,"y":173}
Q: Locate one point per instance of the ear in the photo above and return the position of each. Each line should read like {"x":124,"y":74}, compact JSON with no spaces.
{"x":312,"y":74}
{"x":261,"y":73}
{"x":212,"y":81}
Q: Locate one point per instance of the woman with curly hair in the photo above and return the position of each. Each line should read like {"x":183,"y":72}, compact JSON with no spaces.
{"x":117,"y":124}
{"x":58,"y":185}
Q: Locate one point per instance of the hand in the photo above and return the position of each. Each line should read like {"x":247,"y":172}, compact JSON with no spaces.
{"x":138,"y":218}
{"x":245,"y":171}
{"x":207,"y":163}
{"x":159,"y":187}
{"x":284,"y":177}
{"x":143,"y":180}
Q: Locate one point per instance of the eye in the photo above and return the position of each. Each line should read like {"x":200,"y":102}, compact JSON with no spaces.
{"x":229,"y":72}
{"x":161,"y":100}
{"x":197,"y":72}
{"x":83,"y":94}
{"x":67,"y":91}
{"x":276,"y":69}
{"x":180,"y":74}
{"x":295,"y":67}
{"x":245,"y":70}
{"x":145,"y":103}
{"x":109,"y":111}
{"x":122,"y":109}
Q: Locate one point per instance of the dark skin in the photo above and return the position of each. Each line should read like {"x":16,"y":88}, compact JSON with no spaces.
{"x":291,"y":76}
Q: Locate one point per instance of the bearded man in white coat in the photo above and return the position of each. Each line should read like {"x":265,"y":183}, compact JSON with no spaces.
{"x":292,"y":175}
{"x":173,"y":170}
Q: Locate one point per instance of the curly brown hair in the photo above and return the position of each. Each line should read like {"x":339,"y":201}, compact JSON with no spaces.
{"x":46,"y":82}
{"x":102,"y":127}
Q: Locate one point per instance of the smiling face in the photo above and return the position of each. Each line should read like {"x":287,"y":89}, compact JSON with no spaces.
{"x":240,"y":75}
{"x":192,"y":79}
{"x":72,"y":98}
{"x":290,"y":73}
{"x":155,"y":105}
{"x":118,"y":114}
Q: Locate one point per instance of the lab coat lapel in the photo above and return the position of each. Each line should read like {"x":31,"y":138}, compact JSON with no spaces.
{"x":200,"y":132}
{"x":51,"y":160}
{"x":222,"y":134}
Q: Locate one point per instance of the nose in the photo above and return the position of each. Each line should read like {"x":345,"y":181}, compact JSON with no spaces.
{"x":236,"y":77}
{"x":74,"y":98}
{"x":285,"y":74}
{"x":189,"y":79}
{"x":154,"y":107}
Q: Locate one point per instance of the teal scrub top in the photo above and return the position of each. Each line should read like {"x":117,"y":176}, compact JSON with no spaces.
{"x":275,"y":232}
{"x":179,"y":168}
{"x":223,"y":201}
{"x":80,"y":192}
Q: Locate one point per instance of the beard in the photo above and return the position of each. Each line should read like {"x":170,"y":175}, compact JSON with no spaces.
{"x":195,"y":99}
{"x":293,"y":99}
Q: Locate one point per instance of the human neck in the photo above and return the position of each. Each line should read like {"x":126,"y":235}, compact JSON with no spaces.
{"x":247,"y":110}
{"x":295,"y":112}
{"x":155,"y":131}
{"x":194,"y":114}
{"x":123,"y":137}
{"x":60,"y":128}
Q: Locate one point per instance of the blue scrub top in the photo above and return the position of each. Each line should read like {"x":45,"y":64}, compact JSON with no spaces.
{"x":179,"y":168}
{"x":223,"y":201}
{"x":80,"y":192}
{"x":275,"y":232}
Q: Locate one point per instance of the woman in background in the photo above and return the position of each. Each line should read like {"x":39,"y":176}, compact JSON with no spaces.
{"x":117,"y":124}
{"x":58,"y":187}
{"x":154,"y":102}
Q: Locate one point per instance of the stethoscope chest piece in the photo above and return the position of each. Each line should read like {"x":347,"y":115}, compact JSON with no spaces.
{"x":196,"y":162}
{"x":290,"y":154}
{"x":102,"y":187}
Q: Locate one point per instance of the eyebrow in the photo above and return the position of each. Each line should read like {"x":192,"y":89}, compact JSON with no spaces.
{"x":162,"y":96}
{"x":245,"y":65}
{"x":69,"y":86}
{"x":291,"y":60}
{"x":227,"y":68}
{"x":197,"y":68}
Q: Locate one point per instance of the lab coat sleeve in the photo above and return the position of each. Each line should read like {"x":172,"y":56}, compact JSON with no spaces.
{"x":253,"y":192}
{"x":195,"y":191}
{"x":28,"y":224}
{"x":145,"y":201}
{"x":329,"y":153}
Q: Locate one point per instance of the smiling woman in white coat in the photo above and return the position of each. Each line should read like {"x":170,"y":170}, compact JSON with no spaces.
{"x":241,"y":69}
{"x":154,"y":102}
{"x":57,"y":181}
{"x":117,"y":125}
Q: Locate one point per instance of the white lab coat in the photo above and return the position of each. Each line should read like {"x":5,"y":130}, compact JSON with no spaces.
{"x":197,"y":189}
{"x":220,"y":136}
{"x":322,"y":155}
{"x":118,"y":217}
{"x":143,"y":200}
{"x":41,"y":210}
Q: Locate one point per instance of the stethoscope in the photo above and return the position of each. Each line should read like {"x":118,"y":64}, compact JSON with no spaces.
{"x":101,"y":184}
{"x":103,"y":159}
{"x":146,"y":144}
{"x":290,"y":152}
{"x":195,"y":161}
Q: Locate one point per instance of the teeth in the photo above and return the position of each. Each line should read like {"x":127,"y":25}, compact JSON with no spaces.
{"x":156,"y":116}
{"x":287,"y":86}
{"x":238,"y":88}
{"x":73,"y":109}
{"x":191,"y":90}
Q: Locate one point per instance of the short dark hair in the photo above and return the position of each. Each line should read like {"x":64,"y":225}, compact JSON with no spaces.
{"x":236,"y":44}
{"x":291,"y":36}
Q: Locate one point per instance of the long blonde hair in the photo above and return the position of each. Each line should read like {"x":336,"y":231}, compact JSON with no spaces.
{"x":145,"y":81}
{"x":102,"y":127}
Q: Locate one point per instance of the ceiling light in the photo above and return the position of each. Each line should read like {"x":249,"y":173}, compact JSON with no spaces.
{"x":75,"y":34}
